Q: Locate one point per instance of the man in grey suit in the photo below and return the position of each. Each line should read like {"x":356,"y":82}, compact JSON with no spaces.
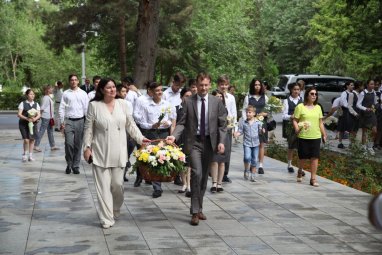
{"x":204,"y":124}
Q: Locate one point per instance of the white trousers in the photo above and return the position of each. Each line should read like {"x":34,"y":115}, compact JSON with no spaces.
{"x":109,"y":186}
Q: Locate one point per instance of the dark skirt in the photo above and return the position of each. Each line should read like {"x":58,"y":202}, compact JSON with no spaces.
{"x":347,"y":121}
{"x":24,"y":130}
{"x":225,"y":157}
{"x":309,"y":148}
{"x":289,"y":134}
{"x":367,"y":119}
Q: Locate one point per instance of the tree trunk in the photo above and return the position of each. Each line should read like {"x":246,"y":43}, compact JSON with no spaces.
{"x":147,"y":37}
{"x":122,"y":46}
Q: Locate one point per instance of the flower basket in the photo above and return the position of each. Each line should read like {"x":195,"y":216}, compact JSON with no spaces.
{"x":159,"y":162}
{"x":153,"y":176}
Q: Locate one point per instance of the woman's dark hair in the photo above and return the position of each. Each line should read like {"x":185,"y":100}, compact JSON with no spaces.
{"x":28,"y":91}
{"x":101,"y":85}
{"x":216,"y":92}
{"x":357,"y":85}
{"x":346,"y":85}
{"x":184,"y":91}
{"x":252,"y":87}
{"x":368,"y":81}
{"x":306,"y":95}
{"x":291,"y":86}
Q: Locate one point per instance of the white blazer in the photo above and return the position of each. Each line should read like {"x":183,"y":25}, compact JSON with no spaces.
{"x":105,"y":133}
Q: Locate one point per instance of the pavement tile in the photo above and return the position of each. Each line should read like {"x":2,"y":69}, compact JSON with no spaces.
{"x":44,"y":211}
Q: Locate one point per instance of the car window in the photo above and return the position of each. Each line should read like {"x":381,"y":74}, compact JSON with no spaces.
{"x":283,"y":81}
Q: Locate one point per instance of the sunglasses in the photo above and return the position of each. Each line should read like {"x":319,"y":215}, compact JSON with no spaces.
{"x":313,"y":94}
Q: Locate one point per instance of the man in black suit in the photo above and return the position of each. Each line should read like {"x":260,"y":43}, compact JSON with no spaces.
{"x":87,"y":87}
{"x":204,"y":125}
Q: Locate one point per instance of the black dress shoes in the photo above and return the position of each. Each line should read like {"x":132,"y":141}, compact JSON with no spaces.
{"x":226,"y":179}
{"x":178,"y":180}
{"x":188,"y":194}
{"x":68,"y":170}
{"x":157,"y":193}
{"x":76,"y":170}
{"x":290,"y":169}
{"x":137,"y":182}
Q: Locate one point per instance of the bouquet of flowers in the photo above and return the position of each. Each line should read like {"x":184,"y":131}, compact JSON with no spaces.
{"x":31,"y":114}
{"x":161,"y":160}
{"x":164,"y":111}
{"x":331,"y":123}
{"x":274,"y":105}
{"x":231,"y":122}
{"x":304,"y":126}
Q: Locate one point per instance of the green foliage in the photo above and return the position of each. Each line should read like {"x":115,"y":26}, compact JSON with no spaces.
{"x":349,"y":38}
{"x":354,"y":169}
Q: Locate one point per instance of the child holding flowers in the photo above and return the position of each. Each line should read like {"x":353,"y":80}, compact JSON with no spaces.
{"x":251,"y":129}
{"x":29,"y":113}
{"x":290,"y":104}
{"x":309,"y":127}
{"x":259,"y":101}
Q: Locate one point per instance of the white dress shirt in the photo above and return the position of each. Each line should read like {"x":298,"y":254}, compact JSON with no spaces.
{"x":350,"y":103}
{"x":286,"y":116}
{"x":58,"y":94}
{"x":21,"y":105}
{"x":230,"y":103}
{"x":138,"y":108}
{"x":343,"y":99}
{"x":132,"y":97}
{"x":91,"y":94}
{"x":151,"y":112}
{"x":199,"y":106}
{"x":47,"y":107}
{"x":361,"y":97}
{"x":173,"y":98}
{"x":74,"y":104}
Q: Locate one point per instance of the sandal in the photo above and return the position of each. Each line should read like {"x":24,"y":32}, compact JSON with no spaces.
{"x":213,"y":188}
{"x":314,"y":183}
{"x":299,"y":175}
{"x":219,"y":188}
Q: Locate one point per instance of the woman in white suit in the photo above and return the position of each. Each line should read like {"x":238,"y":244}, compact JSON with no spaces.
{"x":106,"y":147}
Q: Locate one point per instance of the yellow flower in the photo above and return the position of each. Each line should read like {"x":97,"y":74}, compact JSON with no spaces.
{"x":156,"y":149}
{"x":144,"y":157}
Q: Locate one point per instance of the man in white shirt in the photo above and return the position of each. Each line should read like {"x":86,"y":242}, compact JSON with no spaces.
{"x":57,"y":92}
{"x":72,"y":111}
{"x":230,"y":103}
{"x":137,"y":115}
{"x":152,"y":127}
{"x":172,"y":94}
{"x":96,"y":80}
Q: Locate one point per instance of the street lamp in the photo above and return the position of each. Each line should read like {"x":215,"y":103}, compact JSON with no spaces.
{"x":83,"y":75}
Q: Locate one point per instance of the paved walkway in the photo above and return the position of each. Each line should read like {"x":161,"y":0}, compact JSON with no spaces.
{"x":44,"y":211}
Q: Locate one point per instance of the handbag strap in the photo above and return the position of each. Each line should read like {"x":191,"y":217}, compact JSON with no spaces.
{"x":50,"y":106}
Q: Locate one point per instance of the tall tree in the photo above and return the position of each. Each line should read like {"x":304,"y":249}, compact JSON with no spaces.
{"x":147,"y":37}
{"x":349,"y":38}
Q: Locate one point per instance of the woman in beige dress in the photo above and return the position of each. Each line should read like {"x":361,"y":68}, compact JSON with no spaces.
{"x":106,"y":147}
